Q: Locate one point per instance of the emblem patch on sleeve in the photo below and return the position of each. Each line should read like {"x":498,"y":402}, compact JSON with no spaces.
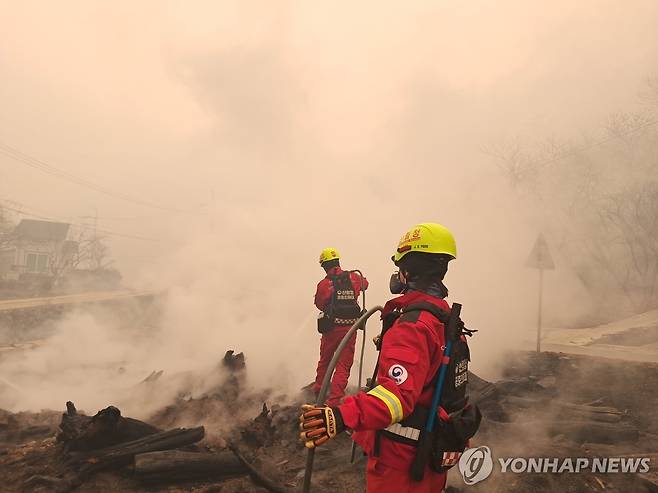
{"x":398,"y":373}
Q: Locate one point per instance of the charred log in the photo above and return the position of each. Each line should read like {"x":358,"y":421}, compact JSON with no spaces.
{"x":48,"y":483}
{"x":261,"y":431}
{"x":233,"y":362}
{"x":106,"y":428}
{"x":122,"y":454}
{"x":256,"y":475}
{"x":176,"y":465}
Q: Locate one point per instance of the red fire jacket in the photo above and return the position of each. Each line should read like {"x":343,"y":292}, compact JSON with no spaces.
{"x":325,"y":288}
{"x":409,"y":360}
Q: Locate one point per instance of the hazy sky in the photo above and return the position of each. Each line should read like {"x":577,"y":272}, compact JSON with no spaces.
{"x":285,"y":127}
{"x":271,"y":103}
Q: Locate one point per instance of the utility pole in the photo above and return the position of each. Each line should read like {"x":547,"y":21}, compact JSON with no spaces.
{"x":540,"y":306}
{"x":93,"y":250}
{"x":212,"y":210}
{"x":95,"y":243}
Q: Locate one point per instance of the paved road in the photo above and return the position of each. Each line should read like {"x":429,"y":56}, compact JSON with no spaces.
{"x":72,"y":299}
{"x":645,"y":354}
{"x":593,"y":341}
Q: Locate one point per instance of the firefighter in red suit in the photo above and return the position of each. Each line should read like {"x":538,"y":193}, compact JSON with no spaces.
{"x":336,"y":297}
{"x":410,"y":356}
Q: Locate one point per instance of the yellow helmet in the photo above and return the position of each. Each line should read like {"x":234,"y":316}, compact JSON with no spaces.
{"x":329,"y":254}
{"x":427,"y":238}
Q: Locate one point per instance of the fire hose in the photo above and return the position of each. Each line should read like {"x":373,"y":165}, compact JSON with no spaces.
{"x":310,"y":455}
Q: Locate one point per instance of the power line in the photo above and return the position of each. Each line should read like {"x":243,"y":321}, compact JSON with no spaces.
{"x":44,"y":167}
{"x":123,"y":218}
{"x":102,"y":231}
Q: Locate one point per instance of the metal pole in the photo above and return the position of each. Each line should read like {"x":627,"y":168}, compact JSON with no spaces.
{"x":310,"y":456}
{"x":541,"y":295}
{"x":363,"y":340}
{"x":95,"y":244}
{"x":363,"y":348}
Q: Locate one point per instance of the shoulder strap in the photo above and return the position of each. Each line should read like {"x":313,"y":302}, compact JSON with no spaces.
{"x":439,"y":313}
{"x":343,"y":276}
{"x":390,"y":318}
{"x":442,"y":315}
{"x":425,"y":306}
{"x":410,"y":314}
{"x":332,"y":301}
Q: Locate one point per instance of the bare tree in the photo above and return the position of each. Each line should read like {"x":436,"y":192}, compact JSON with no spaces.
{"x":99,"y":254}
{"x":625,"y":245}
{"x":6,"y":228}
{"x":514,"y":161}
{"x":649,"y":96}
{"x":599,"y":200}
{"x":6,"y":241}
{"x":87,"y":251}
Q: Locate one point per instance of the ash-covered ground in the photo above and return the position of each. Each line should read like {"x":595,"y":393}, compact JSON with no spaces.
{"x":548,"y":405}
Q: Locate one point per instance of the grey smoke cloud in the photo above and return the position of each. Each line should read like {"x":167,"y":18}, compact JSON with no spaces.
{"x":285,"y":127}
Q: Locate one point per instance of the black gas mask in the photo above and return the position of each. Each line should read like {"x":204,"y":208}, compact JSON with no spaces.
{"x":396,"y":284}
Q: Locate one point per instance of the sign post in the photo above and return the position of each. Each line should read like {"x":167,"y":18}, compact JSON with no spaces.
{"x":540,"y":258}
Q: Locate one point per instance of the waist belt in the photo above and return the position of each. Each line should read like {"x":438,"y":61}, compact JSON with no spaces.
{"x":409,"y":429}
{"x":345,"y":321}
{"x":408,"y":432}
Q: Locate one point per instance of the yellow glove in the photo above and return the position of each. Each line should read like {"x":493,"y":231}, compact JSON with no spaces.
{"x":319,"y":424}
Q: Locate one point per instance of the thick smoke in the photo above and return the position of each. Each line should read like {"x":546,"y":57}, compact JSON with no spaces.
{"x":282,"y":129}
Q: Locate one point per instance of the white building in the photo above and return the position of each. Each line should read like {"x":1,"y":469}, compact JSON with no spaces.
{"x":37,"y":248}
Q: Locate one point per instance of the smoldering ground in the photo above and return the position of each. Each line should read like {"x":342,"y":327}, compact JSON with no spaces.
{"x":280,"y":129}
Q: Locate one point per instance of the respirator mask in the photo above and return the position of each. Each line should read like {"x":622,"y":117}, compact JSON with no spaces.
{"x":396,"y":284}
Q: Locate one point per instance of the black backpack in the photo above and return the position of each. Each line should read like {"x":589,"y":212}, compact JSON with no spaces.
{"x":343,"y":309}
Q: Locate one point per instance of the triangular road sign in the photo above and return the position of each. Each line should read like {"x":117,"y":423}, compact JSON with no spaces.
{"x":540,"y":257}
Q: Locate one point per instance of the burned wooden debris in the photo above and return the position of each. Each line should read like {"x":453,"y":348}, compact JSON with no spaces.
{"x":263,"y":454}
{"x":260,"y":432}
{"x":154,"y":456}
{"x":109,"y":441}
{"x":124,"y":453}
{"x":233,"y":362}
{"x":50,"y":483}
{"x":21,"y":427}
{"x":80,"y":432}
{"x":534,"y":402}
{"x":581,"y":423}
{"x":258,"y":477}
{"x":177,"y":465}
